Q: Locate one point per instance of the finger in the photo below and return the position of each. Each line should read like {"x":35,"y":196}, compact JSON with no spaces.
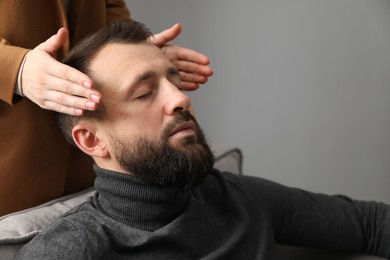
{"x":67,"y":73}
{"x":60,"y":100}
{"x":50,"y":105}
{"x":189,"y":77}
{"x":189,"y":86}
{"x":72,"y":89}
{"x":55,"y":42}
{"x":162,"y":38}
{"x":180,"y":53}
{"x":192,"y":67}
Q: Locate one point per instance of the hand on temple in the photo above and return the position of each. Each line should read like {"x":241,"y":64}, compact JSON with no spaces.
{"x":53,"y":85}
{"x":193,"y":66}
{"x":58,"y":87}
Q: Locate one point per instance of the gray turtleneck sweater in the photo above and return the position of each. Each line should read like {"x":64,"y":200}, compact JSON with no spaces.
{"x":226,"y":217}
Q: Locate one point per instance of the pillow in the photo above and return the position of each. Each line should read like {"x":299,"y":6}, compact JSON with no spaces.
{"x":18,"y":228}
{"x":229,"y":160}
{"x":21,"y":226}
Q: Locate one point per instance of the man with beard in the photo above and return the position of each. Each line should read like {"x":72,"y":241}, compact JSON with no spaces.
{"x":157,"y":194}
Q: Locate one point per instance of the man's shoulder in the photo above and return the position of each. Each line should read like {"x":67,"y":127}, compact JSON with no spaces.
{"x":73,"y":222}
{"x":244,"y":186}
{"x":220,"y":183}
{"x":65,"y":237}
{"x":237,"y":181}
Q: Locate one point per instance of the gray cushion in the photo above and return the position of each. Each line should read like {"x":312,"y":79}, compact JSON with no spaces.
{"x":23,"y":225}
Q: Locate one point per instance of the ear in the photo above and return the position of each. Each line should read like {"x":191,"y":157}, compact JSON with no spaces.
{"x":84,"y":135}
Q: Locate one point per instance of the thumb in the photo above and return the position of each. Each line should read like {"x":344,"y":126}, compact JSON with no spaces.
{"x":162,"y":38}
{"x":55,"y":42}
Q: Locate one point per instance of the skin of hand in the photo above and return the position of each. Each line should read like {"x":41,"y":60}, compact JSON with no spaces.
{"x":53,"y":85}
{"x":193,"y":66}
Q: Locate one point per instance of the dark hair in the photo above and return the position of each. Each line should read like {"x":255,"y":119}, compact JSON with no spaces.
{"x":120,"y":31}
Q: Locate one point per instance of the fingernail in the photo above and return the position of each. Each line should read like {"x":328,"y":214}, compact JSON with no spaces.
{"x":87,"y":84}
{"x":78,"y":111}
{"x":90,"y":104}
{"x":95,"y":98}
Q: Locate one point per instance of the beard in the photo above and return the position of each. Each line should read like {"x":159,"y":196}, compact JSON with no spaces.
{"x":177,"y":168}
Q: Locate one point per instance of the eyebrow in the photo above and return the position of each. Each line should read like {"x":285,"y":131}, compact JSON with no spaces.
{"x":150,"y":74}
{"x":170,"y":72}
{"x":144,"y":76}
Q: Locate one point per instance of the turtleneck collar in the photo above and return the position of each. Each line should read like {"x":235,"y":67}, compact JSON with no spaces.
{"x":136,"y":203}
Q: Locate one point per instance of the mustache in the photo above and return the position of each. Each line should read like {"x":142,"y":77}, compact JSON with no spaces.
{"x":180,"y":117}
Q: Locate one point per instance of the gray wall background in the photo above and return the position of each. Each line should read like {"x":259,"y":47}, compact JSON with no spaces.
{"x":302,"y":86}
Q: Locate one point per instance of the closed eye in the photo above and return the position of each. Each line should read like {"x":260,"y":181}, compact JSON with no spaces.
{"x":145,"y":95}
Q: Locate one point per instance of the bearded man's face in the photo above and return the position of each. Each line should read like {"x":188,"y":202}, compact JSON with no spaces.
{"x":179,"y":166}
{"x":148,"y":128}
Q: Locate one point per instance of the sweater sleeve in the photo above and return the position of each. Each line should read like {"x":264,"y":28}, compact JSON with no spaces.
{"x":302,"y":218}
{"x":61,"y":241}
{"x":10,"y":59}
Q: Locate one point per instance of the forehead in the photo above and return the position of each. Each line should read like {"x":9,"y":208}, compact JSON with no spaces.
{"x":120,"y":63}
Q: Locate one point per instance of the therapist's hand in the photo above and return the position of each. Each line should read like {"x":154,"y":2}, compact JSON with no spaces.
{"x":53,"y":85}
{"x":193,"y":66}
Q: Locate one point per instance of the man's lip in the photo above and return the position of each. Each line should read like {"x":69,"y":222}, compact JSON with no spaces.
{"x":184,"y":126}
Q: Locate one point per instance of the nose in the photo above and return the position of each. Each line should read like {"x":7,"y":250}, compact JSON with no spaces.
{"x":175,"y":100}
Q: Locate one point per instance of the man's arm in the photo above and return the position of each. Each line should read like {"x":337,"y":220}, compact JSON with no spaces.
{"x":302,"y":218}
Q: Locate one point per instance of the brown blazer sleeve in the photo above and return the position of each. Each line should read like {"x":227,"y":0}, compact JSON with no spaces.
{"x":23,"y":25}
{"x":10,"y":60}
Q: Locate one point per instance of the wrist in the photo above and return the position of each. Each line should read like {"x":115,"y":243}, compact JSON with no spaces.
{"x":19,"y":87}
